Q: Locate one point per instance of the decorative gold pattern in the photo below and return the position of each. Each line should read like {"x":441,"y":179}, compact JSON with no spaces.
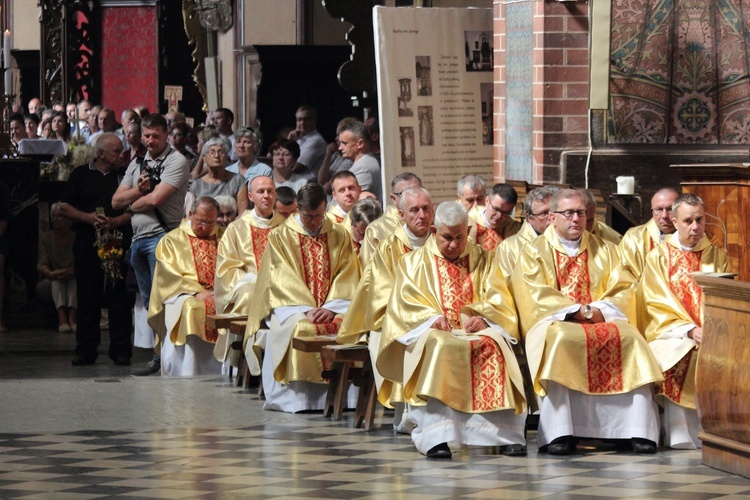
{"x":316,"y":265}
{"x":488,"y":238}
{"x":204,"y":256}
{"x":456,"y":289}
{"x":682,"y":285}
{"x":260,"y":239}
{"x":487,"y":375}
{"x":212,"y":334}
{"x":674,"y":379}
{"x":573,"y":276}
{"x":603,"y":358}
{"x":331,"y":328}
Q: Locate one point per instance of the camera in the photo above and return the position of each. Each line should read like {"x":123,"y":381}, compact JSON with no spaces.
{"x":152,"y":171}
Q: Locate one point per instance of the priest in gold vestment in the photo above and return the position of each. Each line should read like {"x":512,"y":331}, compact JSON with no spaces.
{"x":307,"y":277}
{"x":640,"y":240}
{"x":495,"y":222}
{"x":345,"y":191}
{"x":385,"y":225}
{"x":577,"y":309}
{"x":471,"y":191}
{"x":674,"y":310}
{"x":447,"y":336}
{"x":183,"y":293}
{"x":595,"y":226}
{"x":364,"y":320}
{"x":240,"y":251}
{"x":536,"y":212}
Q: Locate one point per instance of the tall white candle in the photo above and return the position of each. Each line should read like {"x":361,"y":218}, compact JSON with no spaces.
{"x":6,"y":62}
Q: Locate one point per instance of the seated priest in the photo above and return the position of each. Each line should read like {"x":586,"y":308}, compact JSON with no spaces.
{"x":577,"y":309}
{"x":640,"y":240}
{"x":495,"y":222}
{"x":345,"y":191}
{"x":363,"y":213}
{"x":595,"y":226}
{"x":366,"y":312}
{"x":183,"y":293}
{"x":307,"y":277}
{"x":384,"y":226}
{"x":674,"y":311}
{"x":240,"y":252}
{"x":471,"y":192}
{"x":536,"y":213}
{"x":447,"y":337}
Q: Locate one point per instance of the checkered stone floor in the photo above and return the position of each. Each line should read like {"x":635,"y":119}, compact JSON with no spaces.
{"x":317,"y":458}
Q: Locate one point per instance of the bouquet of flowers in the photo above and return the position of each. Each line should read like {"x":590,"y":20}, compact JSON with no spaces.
{"x":110,"y":251}
{"x":79,"y":153}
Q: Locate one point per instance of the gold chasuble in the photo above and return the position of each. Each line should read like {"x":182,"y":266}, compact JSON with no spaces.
{"x":240,"y":252}
{"x":673,"y":300}
{"x":471,"y":373}
{"x":508,"y":251}
{"x":606,"y":233}
{"x":485,"y":236}
{"x":185,"y":266}
{"x":338,"y":216}
{"x":364,"y":318}
{"x":636,"y":244}
{"x":601,"y":358}
{"x":379,"y":230}
{"x":302,"y":270}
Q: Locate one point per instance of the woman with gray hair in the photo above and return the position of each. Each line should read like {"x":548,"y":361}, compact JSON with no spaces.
{"x":218,"y":181}
{"x":247,"y":145}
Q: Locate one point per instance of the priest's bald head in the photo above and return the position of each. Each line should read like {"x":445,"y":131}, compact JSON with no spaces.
{"x":452,"y":229}
{"x":415,"y":209}
{"x":311,"y":203}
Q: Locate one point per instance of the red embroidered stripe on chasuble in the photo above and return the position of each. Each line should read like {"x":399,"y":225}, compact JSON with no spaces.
{"x":260,"y":239}
{"x":204,"y":257}
{"x":687,"y":291}
{"x":603,"y":342}
{"x":487,"y":375}
{"x":212,"y":334}
{"x":338,"y":218}
{"x":488,"y":238}
{"x":316,"y":266}
{"x":456,"y":288}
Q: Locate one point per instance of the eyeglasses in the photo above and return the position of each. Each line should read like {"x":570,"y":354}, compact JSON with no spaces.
{"x":507,"y":213}
{"x":204,"y":223}
{"x":216,"y":152}
{"x":540,"y":215}
{"x":568,"y":214}
{"x":659,"y":211}
{"x":285,"y":154}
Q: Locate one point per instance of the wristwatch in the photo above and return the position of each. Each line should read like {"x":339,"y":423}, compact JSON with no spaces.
{"x":587,"y":312}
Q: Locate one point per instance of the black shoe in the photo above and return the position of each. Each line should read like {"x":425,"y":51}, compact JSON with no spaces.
{"x":82,"y":361}
{"x":121,"y":360}
{"x":514,"y":450}
{"x":152,"y":367}
{"x":440,"y":451}
{"x":643,"y":446}
{"x":564,"y":445}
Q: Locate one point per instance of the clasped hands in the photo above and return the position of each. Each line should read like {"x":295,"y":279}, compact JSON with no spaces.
{"x":471,"y":325}
{"x":578,"y":317}
{"x":320,"y":315}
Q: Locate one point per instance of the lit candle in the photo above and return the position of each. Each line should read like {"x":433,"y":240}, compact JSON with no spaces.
{"x":6,"y":62}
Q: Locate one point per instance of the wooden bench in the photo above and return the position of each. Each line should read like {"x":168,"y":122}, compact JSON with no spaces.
{"x":244,"y":378}
{"x":343,"y":357}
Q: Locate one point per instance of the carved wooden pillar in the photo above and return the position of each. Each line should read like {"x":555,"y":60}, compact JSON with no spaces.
{"x":71,"y":34}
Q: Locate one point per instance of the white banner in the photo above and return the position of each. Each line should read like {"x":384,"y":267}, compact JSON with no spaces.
{"x":435,"y":82}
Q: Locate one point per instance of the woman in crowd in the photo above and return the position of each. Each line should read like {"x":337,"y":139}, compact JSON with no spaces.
{"x":31,"y":124}
{"x":217,"y":180}
{"x":46,"y":128}
{"x":60,"y":127}
{"x":136,"y":149}
{"x":285,"y":154}
{"x":204,"y":136}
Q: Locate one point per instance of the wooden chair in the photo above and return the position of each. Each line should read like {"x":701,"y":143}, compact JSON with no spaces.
{"x":343,"y":358}
{"x":224,"y":321}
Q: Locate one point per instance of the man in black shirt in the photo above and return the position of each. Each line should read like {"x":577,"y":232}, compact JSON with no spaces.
{"x":87,"y":202}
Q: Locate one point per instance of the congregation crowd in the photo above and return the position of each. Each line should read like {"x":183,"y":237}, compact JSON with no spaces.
{"x":473,"y":319}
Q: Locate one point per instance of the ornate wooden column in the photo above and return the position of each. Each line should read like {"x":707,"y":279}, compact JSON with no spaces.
{"x":70,"y":50}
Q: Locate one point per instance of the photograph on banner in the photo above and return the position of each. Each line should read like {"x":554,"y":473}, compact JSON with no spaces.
{"x":435,"y":89}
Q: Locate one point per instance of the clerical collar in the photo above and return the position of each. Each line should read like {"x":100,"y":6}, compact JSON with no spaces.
{"x":570,"y":247}
{"x":484,"y":218}
{"x":416,"y":241}
{"x":338,"y":210}
{"x":662,"y":236}
{"x":262,"y":222}
{"x":309,"y":233}
{"x":676,"y":239}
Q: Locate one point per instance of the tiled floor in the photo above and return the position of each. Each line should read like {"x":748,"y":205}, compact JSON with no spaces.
{"x":97,"y":432}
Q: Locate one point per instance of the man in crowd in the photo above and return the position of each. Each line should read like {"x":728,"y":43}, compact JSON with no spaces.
{"x":346,"y":191}
{"x":311,"y":144}
{"x":227,"y":210}
{"x":495,"y":222}
{"x":576,"y":308}
{"x":223,"y":121}
{"x":447,"y":336}
{"x":17,"y":128}
{"x":34,"y":103}
{"x":384,"y":226}
{"x":307,"y":277}
{"x":640,"y":240}
{"x":595,"y":226}
{"x":365,"y":316}
{"x":674,"y":314}
{"x":536,"y":213}
{"x":354,"y":144}
{"x":470,"y":192}
{"x":87,"y":203}
{"x":153,"y":190}
{"x":107,"y":123}
{"x":183,"y":293}
{"x":246,"y":147}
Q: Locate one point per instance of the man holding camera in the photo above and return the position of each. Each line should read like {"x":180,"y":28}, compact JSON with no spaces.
{"x":153,"y":191}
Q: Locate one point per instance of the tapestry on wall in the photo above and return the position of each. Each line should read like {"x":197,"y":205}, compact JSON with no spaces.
{"x":679,"y":72}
